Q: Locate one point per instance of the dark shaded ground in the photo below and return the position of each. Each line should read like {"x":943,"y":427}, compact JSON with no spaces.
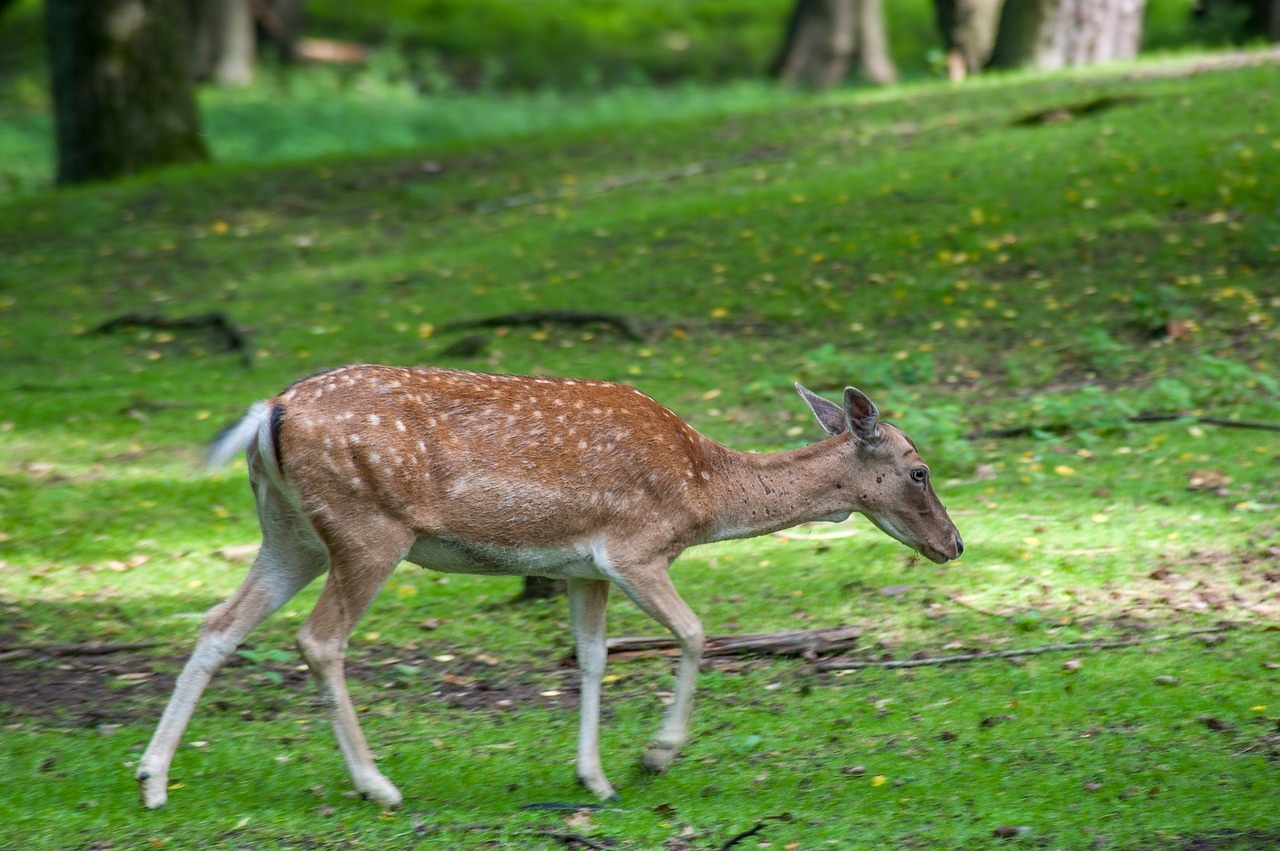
{"x":132,"y":686}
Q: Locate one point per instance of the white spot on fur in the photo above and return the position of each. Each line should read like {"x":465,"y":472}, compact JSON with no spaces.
{"x":374,"y":419}
{"x":400,"y":426}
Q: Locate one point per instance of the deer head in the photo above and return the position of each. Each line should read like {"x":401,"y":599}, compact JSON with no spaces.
{"x":887,"y":480}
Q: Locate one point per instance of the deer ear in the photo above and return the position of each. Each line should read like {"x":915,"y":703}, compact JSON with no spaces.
{"x":863,"y":416}
{"x":830,"y":415}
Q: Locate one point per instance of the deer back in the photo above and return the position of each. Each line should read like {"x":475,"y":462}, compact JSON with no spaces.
{"x":505,"y":460}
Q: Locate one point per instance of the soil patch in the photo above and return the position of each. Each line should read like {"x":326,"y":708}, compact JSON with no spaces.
{"x":129,"y":687}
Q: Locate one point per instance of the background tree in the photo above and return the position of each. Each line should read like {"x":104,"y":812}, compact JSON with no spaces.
{"x":227,"y":35}
{"x":825,"y":37}
{"x":223,"y":42}
{"x":1048,"y":34}
{"x":968,"y":29}
{"x":122,"y":89}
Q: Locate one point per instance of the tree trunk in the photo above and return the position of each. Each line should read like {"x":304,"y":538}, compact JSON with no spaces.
{"x":824,"y":37}
{"x":873,"y":43}
{"x":223,"y":41}
{"x":1027,"y":35}
{"x":1049,"y":34}
{"x":122,"y":89}
{"x":279,"y":22}
{"x":968,"y":30}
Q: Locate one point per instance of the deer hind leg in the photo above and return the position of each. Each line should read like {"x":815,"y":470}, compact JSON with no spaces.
{"x":587,"y":598}
{"x":288,"y":560}
{"x":358,"y":570}
{"x":653,"y":592}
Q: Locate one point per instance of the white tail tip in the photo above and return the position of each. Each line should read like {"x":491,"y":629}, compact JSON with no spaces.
{"x":237,"y":438}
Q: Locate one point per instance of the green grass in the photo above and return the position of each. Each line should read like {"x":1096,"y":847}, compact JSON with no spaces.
{"x":969,"y":273}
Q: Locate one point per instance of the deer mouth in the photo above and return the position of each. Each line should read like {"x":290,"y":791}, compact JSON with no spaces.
{"x":943,"y":556}
{"x":934,"y":554}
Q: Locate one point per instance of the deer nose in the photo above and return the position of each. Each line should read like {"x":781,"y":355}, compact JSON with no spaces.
{"x":959,"y":546}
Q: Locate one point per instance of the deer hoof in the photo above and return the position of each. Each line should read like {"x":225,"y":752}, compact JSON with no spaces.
{"x":601,"y":788}
{"x":152,"y":790}
{"x":658,"y":757}
{"x":380,"y":790}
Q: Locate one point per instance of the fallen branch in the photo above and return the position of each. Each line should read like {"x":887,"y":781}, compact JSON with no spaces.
{"x":753,"y":831}
{"x":571,"y":318}
{"x":1072,"y":111}
{"x":1027,"y":430}
{"x":1217,"y":62}
{"x":234,"y":339}
{"x":1218,"y":421}
{"x":90,"y":649}
{"x":849,"y":665}
{"x":799,"y":642}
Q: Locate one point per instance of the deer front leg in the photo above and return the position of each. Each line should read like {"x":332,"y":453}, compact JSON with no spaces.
{"x":587,"y":599}
{"x":653,"y":592}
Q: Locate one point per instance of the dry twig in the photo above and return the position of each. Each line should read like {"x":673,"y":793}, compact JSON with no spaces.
{"x":853,"y":664}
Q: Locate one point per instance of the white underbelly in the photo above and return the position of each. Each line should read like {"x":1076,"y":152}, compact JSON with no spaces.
{"x":453,"y":555}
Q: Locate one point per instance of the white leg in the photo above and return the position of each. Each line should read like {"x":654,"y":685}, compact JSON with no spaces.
{"x":653,"y":592}
{"x":272,"y":581}
{"x":354,"y":580}
{"x":587,"y":599}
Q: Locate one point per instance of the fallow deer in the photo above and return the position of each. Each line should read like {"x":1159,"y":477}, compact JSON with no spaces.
{"x":358,"y":468}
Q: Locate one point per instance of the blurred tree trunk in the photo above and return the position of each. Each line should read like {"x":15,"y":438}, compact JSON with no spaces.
{"x":969,"y":32}
{"x":1048,"y":34}
{"x":280,"y":23}
{"x":825,"y":37}
{"x":223,"y":41}
{"x":122,"y":90}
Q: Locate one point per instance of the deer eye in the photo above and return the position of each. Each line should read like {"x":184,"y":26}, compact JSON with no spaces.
{"x":919,"y":474}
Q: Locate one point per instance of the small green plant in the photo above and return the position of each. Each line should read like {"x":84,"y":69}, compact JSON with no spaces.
{"x":260,"y":657}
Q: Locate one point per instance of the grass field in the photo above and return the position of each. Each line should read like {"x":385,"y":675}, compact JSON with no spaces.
{"x":1012,"y":270}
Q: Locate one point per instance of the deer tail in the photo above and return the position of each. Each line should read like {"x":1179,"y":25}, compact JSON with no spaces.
{"x":256,"y":423}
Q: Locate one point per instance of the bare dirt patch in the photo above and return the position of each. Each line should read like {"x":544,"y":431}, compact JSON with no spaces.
{"x":132,"y":686}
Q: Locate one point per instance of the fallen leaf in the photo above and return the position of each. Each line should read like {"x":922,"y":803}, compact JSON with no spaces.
{"x":1207,"y":480}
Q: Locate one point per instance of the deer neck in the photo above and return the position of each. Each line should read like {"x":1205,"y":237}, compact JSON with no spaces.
{"x":755,"y":494}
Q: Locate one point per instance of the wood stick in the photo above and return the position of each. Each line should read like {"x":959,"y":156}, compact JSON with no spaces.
{"x":573,"y":318}
{"x":849,"y":665}
{"x":90,"y":649}
{"x":795,"y":642}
